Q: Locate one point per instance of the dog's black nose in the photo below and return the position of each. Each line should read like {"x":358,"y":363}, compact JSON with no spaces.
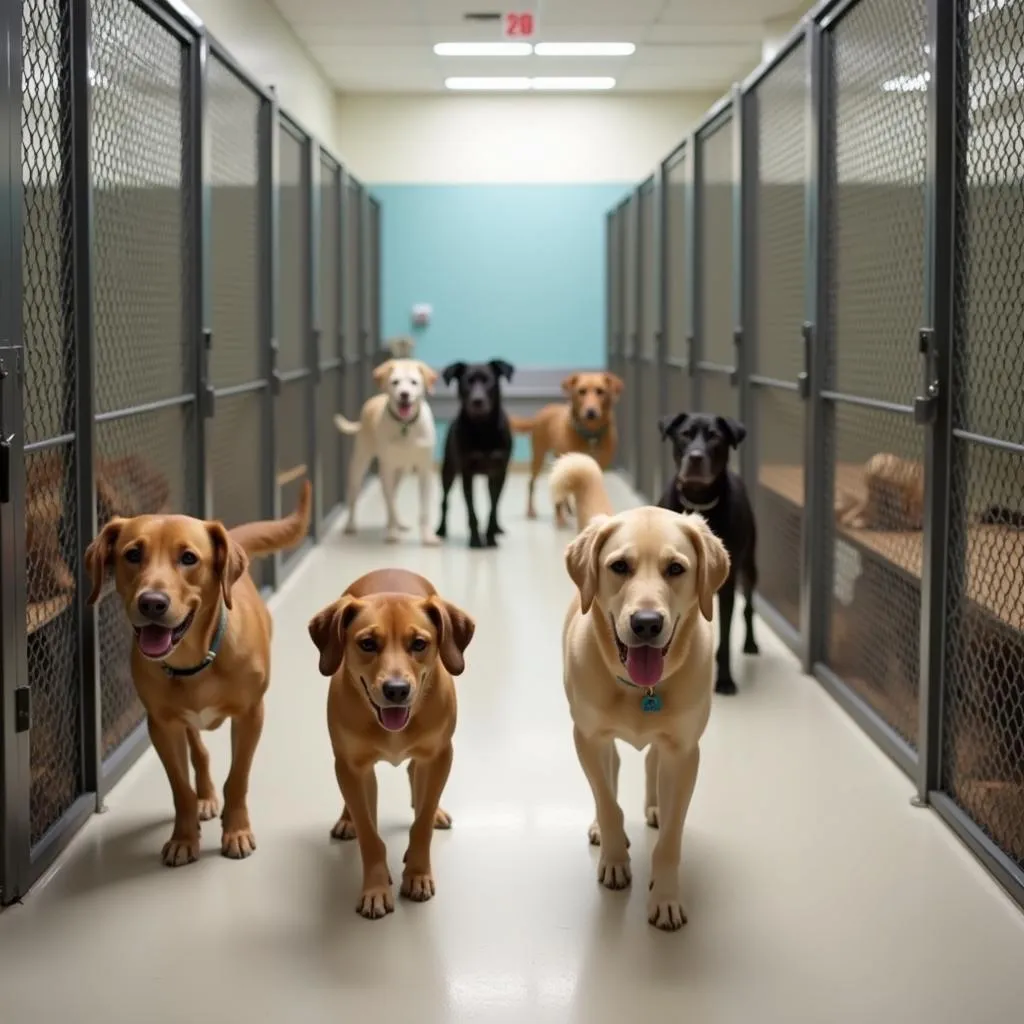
{"x":646,"y":625}
{"x":403,"y":396}
{"x":478,"y":402}
{"x":695,"y":458}
{"x":591,"y":414}
{"x":153,"y":604}
{"x":396,"y":691}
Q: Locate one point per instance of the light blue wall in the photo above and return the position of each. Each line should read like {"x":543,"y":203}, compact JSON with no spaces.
{"x":512,"y":271}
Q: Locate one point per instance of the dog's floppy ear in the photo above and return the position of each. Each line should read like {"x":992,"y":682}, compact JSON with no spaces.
{"x":99,"y":555}
{"x":429,"y":375}
{"x":615,"y":384}
{"x":327,"y":630}
{"x":454,"y":628}
{"x":668,"y":424}
{"x":569,"y":384}
{"x":712,"y":561}
{"x":502,"y":368}
{"x":229,"y":559}
{"x":453,"y":371}
{"x":581,"y":558}
{"x":732,"y":430}
{"x":382,"y":372}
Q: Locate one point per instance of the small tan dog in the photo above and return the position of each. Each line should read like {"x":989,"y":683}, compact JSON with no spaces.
{"x":892,"y":497}
{"x":586,"y":424}
{"x":397,"y":428}
{"x":202,"y":652}
{"x":638,"y":647}
{"x":391,"y":646}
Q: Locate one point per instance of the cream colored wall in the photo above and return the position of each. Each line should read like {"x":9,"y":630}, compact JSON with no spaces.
{"x":444,"y":139}
{"x":264,"y":44}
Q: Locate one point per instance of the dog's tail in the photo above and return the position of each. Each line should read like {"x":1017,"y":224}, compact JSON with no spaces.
{"x":579,"y":477}
{"x":520,"y":425}
{"x":345,"y":426}
{"x":272,"y":535}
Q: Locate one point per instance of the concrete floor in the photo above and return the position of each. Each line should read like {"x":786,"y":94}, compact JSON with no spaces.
{"x":815,"y":892}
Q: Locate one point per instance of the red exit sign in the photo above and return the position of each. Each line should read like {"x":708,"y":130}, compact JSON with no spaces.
{"x":520,"y":25}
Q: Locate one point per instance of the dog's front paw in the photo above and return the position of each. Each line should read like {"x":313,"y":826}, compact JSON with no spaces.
{"x":237,"y":843}
{"x":343,"y":829}
{"x":442,"y":819}
{"x":475,"y":541}
{"x":492,"y":540}
{"x":375,"y":902}
{"x":664,"y":910}
{"x":418,"y":886}
{"x":652,"y":816}
{"x":391,"y":536}
{"x":441,"y":532}
{"x":594,"y":835}
{"x":179,"y":851}
{"x":498,"y":530}
{"x":750,"y":646}
{"x":614,"y":873}
{"x":350,"y":527}
{"x":430,"y":540}
{"x":726,"y":686}
{"x":209,"y":808}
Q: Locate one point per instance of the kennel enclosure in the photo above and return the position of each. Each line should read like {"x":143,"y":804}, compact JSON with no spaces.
{"x":838,"y":264}
{"x":199,"y":288}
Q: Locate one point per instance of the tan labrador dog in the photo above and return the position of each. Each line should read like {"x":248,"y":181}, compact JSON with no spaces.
{"x":892,"y":497}
{"x":397,"y":428}
{"x":638,"y":648}
{"x":391,"y":646}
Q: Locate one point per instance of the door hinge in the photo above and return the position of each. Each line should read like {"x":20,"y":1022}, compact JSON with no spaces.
{"x":803,"y":379}
{"x":926,"y":405}
{"x":22,"y":709}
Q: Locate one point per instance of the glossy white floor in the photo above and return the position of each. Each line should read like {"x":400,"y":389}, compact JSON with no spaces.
{"x":815,"y":892}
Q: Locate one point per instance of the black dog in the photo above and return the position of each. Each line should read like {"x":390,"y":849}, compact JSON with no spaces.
{"x":704,"y":483}
{"x":479,"y":442}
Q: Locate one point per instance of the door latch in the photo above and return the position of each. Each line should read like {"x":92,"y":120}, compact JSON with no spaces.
{"x":925,"y":406}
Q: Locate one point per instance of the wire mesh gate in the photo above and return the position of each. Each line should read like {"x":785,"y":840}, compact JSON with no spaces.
{"x":851,"y":217}
{"x":180,"y":342}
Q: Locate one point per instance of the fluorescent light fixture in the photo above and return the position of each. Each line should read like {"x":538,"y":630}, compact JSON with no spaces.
{"x":483,"y":49}
{"x":572,"y":83}
{"x":584,"y":49}
{"x":907,"y":83}
{"x":494,"y":84}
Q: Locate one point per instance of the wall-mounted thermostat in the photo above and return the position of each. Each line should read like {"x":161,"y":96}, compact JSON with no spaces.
{"x":421,"y":314}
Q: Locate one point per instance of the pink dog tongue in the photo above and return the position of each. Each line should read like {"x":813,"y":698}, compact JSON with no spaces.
{"x":405,"y":411}
{"x":155,"y":641}
{"x":644,"y":665}
{"x":394,"y":719}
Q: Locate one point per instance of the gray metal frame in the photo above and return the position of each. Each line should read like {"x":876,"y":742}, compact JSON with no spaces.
{"x":21,"y":862}
{"x":933,"y":409}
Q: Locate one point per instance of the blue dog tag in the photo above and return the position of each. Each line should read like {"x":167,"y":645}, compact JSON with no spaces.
{"x":651,"y":701}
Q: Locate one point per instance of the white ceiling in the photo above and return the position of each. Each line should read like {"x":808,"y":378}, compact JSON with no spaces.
{"x":682,"y":45}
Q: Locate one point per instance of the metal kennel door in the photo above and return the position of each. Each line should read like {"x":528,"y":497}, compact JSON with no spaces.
{"x":351,"y":220}
{"x":716,"y":266}
{"x":648,"y":382}
{"x":873,"y":169}
{"x":629,"y":404}
{"x":775,"y":231}
{"x":294,"y":405}
{"x":676,"y":291}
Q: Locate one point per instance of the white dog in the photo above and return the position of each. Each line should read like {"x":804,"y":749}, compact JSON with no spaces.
{"x":397,"y":428}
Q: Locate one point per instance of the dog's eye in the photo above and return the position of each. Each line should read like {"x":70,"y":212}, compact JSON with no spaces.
{"x":133,"y":555}
{"x":418,"y":645}
{"x":189,"y":558}
{"x":599,"y":392}
{"x":368,"y":644}
{"x":675,"y":569}
{"x":620,"y":567}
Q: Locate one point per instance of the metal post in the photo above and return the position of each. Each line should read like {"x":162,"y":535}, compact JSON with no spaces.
{"x":944,"y":231}
{"x":80,"y":204}
{"x":269,"y":207}
{"x":747,"y":159}
{"x":694,"y":229}
{"x":196,"y":174}
{"x":660,"y":269}
{"x":313,"y":321}
{"x":817,"y":555}
{"x":637,"y":329}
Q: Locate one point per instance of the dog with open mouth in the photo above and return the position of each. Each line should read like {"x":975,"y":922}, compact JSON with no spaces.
{"x":391,"y":646}
{"x":397,"y":428}
{"x":638,"y":662}
{"x":201,"y":653}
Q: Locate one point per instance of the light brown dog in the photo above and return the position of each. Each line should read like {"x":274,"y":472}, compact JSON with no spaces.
{"x":586,"y":424}
{"x":202,"y":652}
{"x":391,"y":646}
{"x":892,"y":497}
{"x":638,"y":648}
